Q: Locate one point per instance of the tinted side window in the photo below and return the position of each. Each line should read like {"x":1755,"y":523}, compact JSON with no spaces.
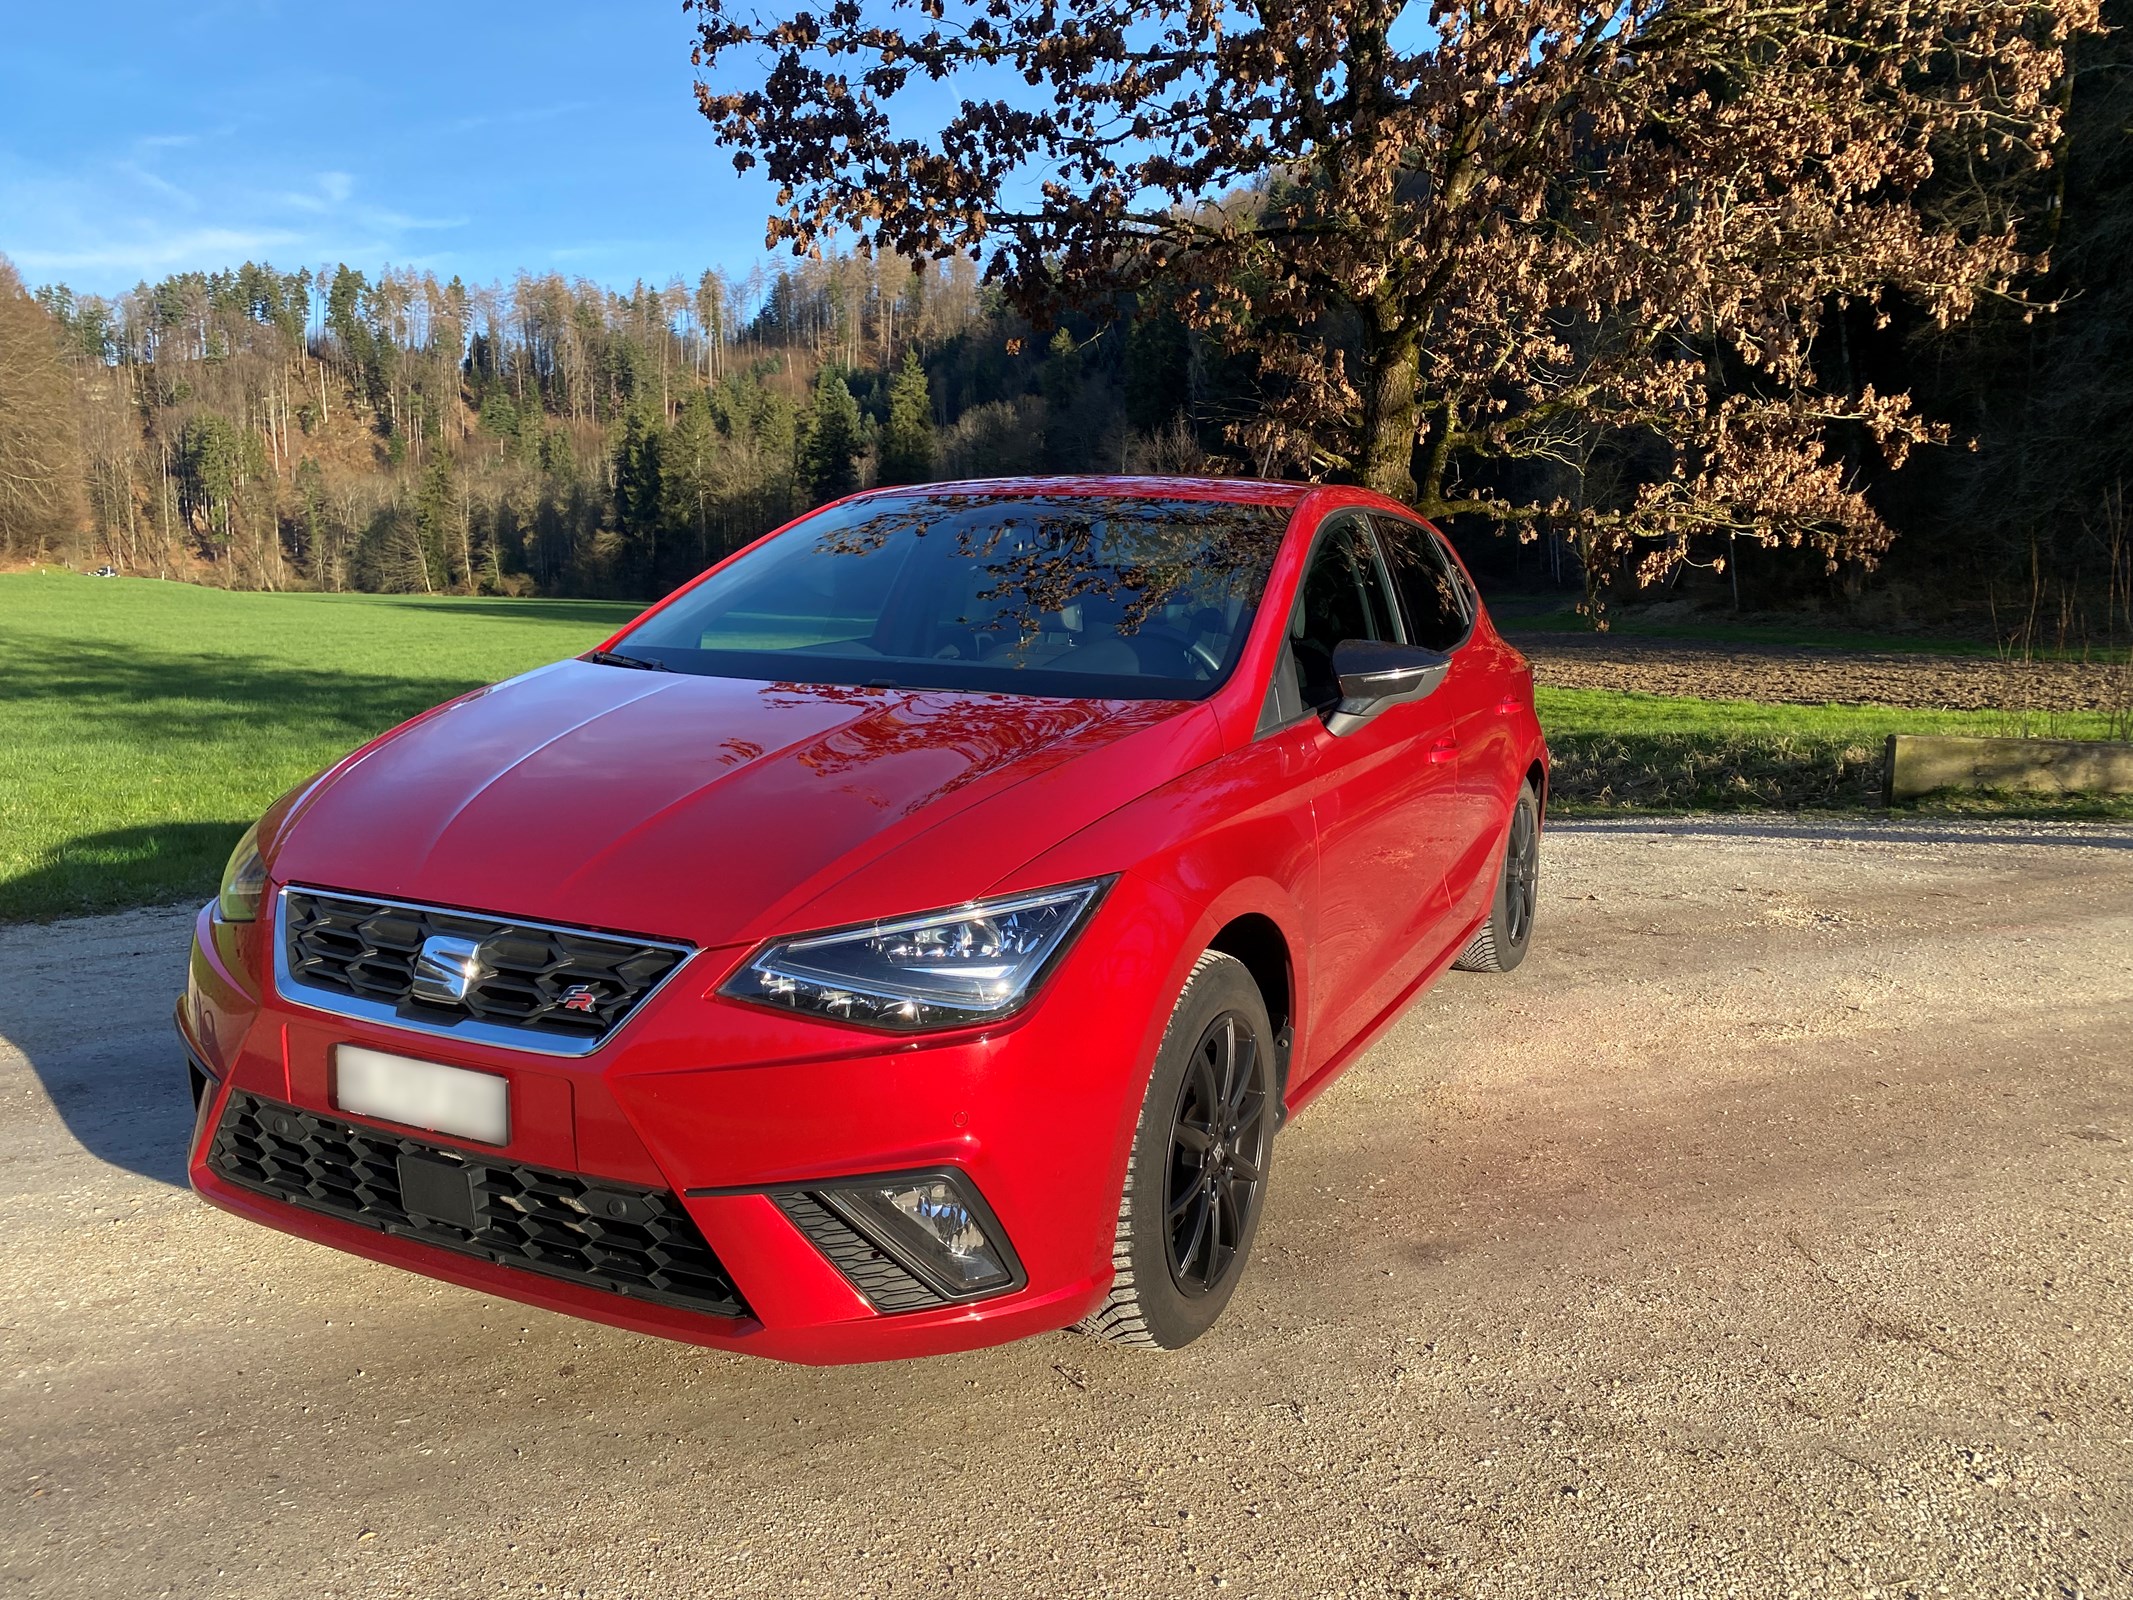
{"x":1344,"y":595}
{"x":1430,"y":591}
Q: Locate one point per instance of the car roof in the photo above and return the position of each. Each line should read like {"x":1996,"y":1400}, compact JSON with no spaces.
{"x":1243,"y":491}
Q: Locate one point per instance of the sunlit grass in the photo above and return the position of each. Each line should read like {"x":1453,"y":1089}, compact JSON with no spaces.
{"x":1618,"y":751}
{"x":143,"y":725}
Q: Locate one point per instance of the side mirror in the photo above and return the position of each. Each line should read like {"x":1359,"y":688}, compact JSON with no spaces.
{"x":1375,"y":675}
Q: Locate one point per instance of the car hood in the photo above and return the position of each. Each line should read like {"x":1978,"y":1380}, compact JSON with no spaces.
{"x":718,"y":809}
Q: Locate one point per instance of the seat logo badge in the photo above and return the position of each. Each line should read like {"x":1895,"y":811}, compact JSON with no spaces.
{"x":581,"y":997}
{"x":446,"y":969}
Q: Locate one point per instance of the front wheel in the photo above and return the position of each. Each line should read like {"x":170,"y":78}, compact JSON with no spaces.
{"x":1196,"y":1180}
{"x":1502,"y":942}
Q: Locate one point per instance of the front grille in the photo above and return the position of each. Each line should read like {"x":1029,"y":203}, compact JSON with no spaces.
{"x":533,"y":985}
{"x":885,"y":1281}
{"x":626,"y":1240}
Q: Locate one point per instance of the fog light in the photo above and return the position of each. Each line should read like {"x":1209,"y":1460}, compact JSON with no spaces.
{"x":934,"y":1225}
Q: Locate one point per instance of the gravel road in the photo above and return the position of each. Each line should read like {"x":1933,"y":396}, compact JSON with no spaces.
{"x":1769,"y":1233}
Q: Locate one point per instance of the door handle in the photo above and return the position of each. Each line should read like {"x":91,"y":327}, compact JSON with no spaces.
{"x":1510,"y":705}
{"x":1445,"y":749}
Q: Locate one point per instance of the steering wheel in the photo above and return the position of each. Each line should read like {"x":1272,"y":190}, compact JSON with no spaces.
{"x":1187,"y":648}
{"x":1209,"y":620}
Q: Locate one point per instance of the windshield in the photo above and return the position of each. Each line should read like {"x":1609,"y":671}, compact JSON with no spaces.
{"x":1113,"y":596}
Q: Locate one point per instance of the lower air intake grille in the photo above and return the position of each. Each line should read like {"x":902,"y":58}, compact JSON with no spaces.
{"x":628,"y":1241}
{"x":885,"y":1282}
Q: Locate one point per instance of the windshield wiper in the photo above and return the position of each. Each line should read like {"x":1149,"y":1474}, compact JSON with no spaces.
{"x":615,"y":658}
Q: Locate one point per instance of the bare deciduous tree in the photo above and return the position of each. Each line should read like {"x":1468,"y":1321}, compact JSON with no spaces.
{"x":40,"y":434}
{"x":1479,"y":250}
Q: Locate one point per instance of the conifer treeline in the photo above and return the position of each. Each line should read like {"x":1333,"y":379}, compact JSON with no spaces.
{"x":324,"y":429}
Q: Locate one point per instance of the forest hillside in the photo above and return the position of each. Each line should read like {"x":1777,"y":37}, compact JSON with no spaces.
{"x":331,"y":428}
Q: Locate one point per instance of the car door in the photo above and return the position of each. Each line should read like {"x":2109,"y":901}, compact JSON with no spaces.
{"x":1441,"y":611}
{"x":1381,"y":796}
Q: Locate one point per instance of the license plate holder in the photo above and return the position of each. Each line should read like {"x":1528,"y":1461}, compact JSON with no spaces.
{"x":435,"y":1190}
{"x":422,"y":1094}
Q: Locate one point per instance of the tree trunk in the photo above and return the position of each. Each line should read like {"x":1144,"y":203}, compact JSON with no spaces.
{"x":1391,"y":415}
{"x":466,"y":534}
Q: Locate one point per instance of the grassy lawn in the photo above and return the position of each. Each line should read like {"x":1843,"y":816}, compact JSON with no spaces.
{"x":144,"y":724}
{"x":1651,"y":753}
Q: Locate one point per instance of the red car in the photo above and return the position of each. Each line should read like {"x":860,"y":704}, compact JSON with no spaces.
{"x":907,"y":937}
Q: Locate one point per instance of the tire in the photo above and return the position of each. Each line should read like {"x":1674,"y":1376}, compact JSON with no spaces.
{"x":1218,"y":1031}
{"x":1507,"y":935}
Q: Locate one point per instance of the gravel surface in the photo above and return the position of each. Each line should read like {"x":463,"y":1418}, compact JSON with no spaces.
{"x":1769,"y":1233}
{"x":1799,"y":675}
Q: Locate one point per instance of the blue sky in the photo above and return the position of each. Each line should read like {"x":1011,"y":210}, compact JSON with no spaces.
{"x":470,"y":138}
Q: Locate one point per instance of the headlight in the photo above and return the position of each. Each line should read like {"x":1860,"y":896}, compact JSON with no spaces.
{"x":244,"y":880}
{"x":943,"y":969}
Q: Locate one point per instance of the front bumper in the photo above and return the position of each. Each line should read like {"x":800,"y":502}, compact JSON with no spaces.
{"x":729,"y":1109}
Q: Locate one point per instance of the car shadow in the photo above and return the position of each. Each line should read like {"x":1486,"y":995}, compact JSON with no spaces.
{"x":121,"y":867}
{"x":87,"y":1014}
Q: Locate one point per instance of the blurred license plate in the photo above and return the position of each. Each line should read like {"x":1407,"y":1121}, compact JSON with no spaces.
{"x":422,"y":1094}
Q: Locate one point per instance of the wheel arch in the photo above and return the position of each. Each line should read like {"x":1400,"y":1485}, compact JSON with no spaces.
{"x":1256,"y":940}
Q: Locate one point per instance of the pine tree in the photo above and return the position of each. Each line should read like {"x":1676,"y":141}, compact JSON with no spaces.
{"x":439,"y":524}
{"x":558,"y":459}
{"x":690,"y":480}
{"x":907,"y":446}
{"x":637,"y":498}
{"x":829,"y":456}
{"x":637,"y":477}
{"x":1158,"y":372}
{"x":1065,"y":444}
{"x":319,"y":557}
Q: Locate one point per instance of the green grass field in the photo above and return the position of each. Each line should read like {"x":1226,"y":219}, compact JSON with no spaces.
{"x":1645,"y":752}
{"x":143,"y":725}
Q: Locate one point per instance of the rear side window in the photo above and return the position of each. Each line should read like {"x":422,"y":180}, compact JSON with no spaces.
{"x":1431,"y":593}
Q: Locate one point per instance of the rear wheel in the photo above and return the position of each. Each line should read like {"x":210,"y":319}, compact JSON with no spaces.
{"x":1502,"y":942}
{"x":1196,"y":1180}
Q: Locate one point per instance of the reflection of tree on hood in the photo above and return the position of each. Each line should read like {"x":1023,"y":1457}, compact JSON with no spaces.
{"x":1044,"y":555}
{"x":986,"y":732}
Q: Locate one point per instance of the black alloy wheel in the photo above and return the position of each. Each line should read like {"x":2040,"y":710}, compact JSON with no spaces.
{"x":1522,"y":875}
{"x":1218,"y":1137}
{"x":1502,"y":941}
{"x":1196,"y":1178}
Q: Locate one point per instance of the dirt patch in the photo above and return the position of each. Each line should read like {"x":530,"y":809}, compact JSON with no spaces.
{"x":1805,"y":675}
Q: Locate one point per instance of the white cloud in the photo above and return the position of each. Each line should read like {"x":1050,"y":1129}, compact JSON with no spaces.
{"x":523,"y":118}
{"x":119,"y":220}
{"x":150,"y":249}
{"x":157,"y":184}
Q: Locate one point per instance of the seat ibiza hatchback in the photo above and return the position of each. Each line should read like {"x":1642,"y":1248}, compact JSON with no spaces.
{"x":908,"y":936}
